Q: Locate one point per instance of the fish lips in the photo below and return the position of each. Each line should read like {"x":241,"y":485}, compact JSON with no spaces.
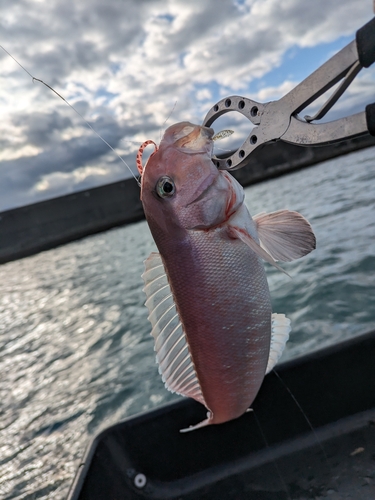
{"x":197,"y":142}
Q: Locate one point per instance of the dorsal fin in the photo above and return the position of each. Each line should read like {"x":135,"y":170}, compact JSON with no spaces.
{"x":172,"y":350}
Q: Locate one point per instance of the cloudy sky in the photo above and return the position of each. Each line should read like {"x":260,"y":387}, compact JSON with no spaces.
{"x":133,"y":67}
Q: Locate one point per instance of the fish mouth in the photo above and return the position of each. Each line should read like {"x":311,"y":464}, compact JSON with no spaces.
{"x":194,"y":139}
{"x":208,"y":132}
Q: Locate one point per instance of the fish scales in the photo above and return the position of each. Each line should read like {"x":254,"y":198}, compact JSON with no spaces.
{"x":207,"y":293}
{"x":212,"y":291}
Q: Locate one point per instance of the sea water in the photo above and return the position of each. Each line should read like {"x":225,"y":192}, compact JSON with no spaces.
{"x":76,"y":353}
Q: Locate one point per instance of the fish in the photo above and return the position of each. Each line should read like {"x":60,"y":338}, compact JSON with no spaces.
{"x":209,"y":304}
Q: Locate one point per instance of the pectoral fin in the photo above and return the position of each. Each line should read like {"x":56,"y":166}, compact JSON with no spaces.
{"x":285,"y":235}
{"x":243,"y":235}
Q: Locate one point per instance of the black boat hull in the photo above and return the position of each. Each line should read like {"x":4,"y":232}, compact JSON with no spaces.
{"x":271,"y":453}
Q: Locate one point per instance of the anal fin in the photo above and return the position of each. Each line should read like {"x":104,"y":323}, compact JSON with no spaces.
{"x":279,"y":337}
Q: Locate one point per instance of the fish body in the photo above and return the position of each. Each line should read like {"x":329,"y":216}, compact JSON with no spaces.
{"x":207,"y":291}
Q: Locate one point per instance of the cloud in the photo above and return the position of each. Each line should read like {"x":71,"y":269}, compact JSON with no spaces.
{"x":126,"y":66}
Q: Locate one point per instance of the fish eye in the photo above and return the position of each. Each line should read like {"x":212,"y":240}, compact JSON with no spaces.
{"x":165,"y":187}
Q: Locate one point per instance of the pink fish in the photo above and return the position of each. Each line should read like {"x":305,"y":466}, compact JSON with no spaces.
{"x":207,"y":294}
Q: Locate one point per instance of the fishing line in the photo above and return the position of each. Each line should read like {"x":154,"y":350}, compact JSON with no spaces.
{"x":284,"y":485}
{"x":303,"y":413}
{"x":165,"y":121}
{"x":72,"y":107}
{"x":311,"y":427}
{"x":225,"y":150}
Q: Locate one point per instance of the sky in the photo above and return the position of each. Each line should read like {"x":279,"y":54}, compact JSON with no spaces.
{"x":131,"y":68}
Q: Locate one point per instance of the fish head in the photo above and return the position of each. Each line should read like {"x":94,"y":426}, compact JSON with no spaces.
{"x":181,"y":186}
{"x":189,"y":138}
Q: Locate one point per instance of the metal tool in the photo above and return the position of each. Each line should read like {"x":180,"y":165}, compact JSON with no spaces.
{"x":280,"y":120}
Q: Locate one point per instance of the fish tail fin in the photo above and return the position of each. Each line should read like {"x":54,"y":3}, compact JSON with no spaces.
{"x":205,"y":422}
